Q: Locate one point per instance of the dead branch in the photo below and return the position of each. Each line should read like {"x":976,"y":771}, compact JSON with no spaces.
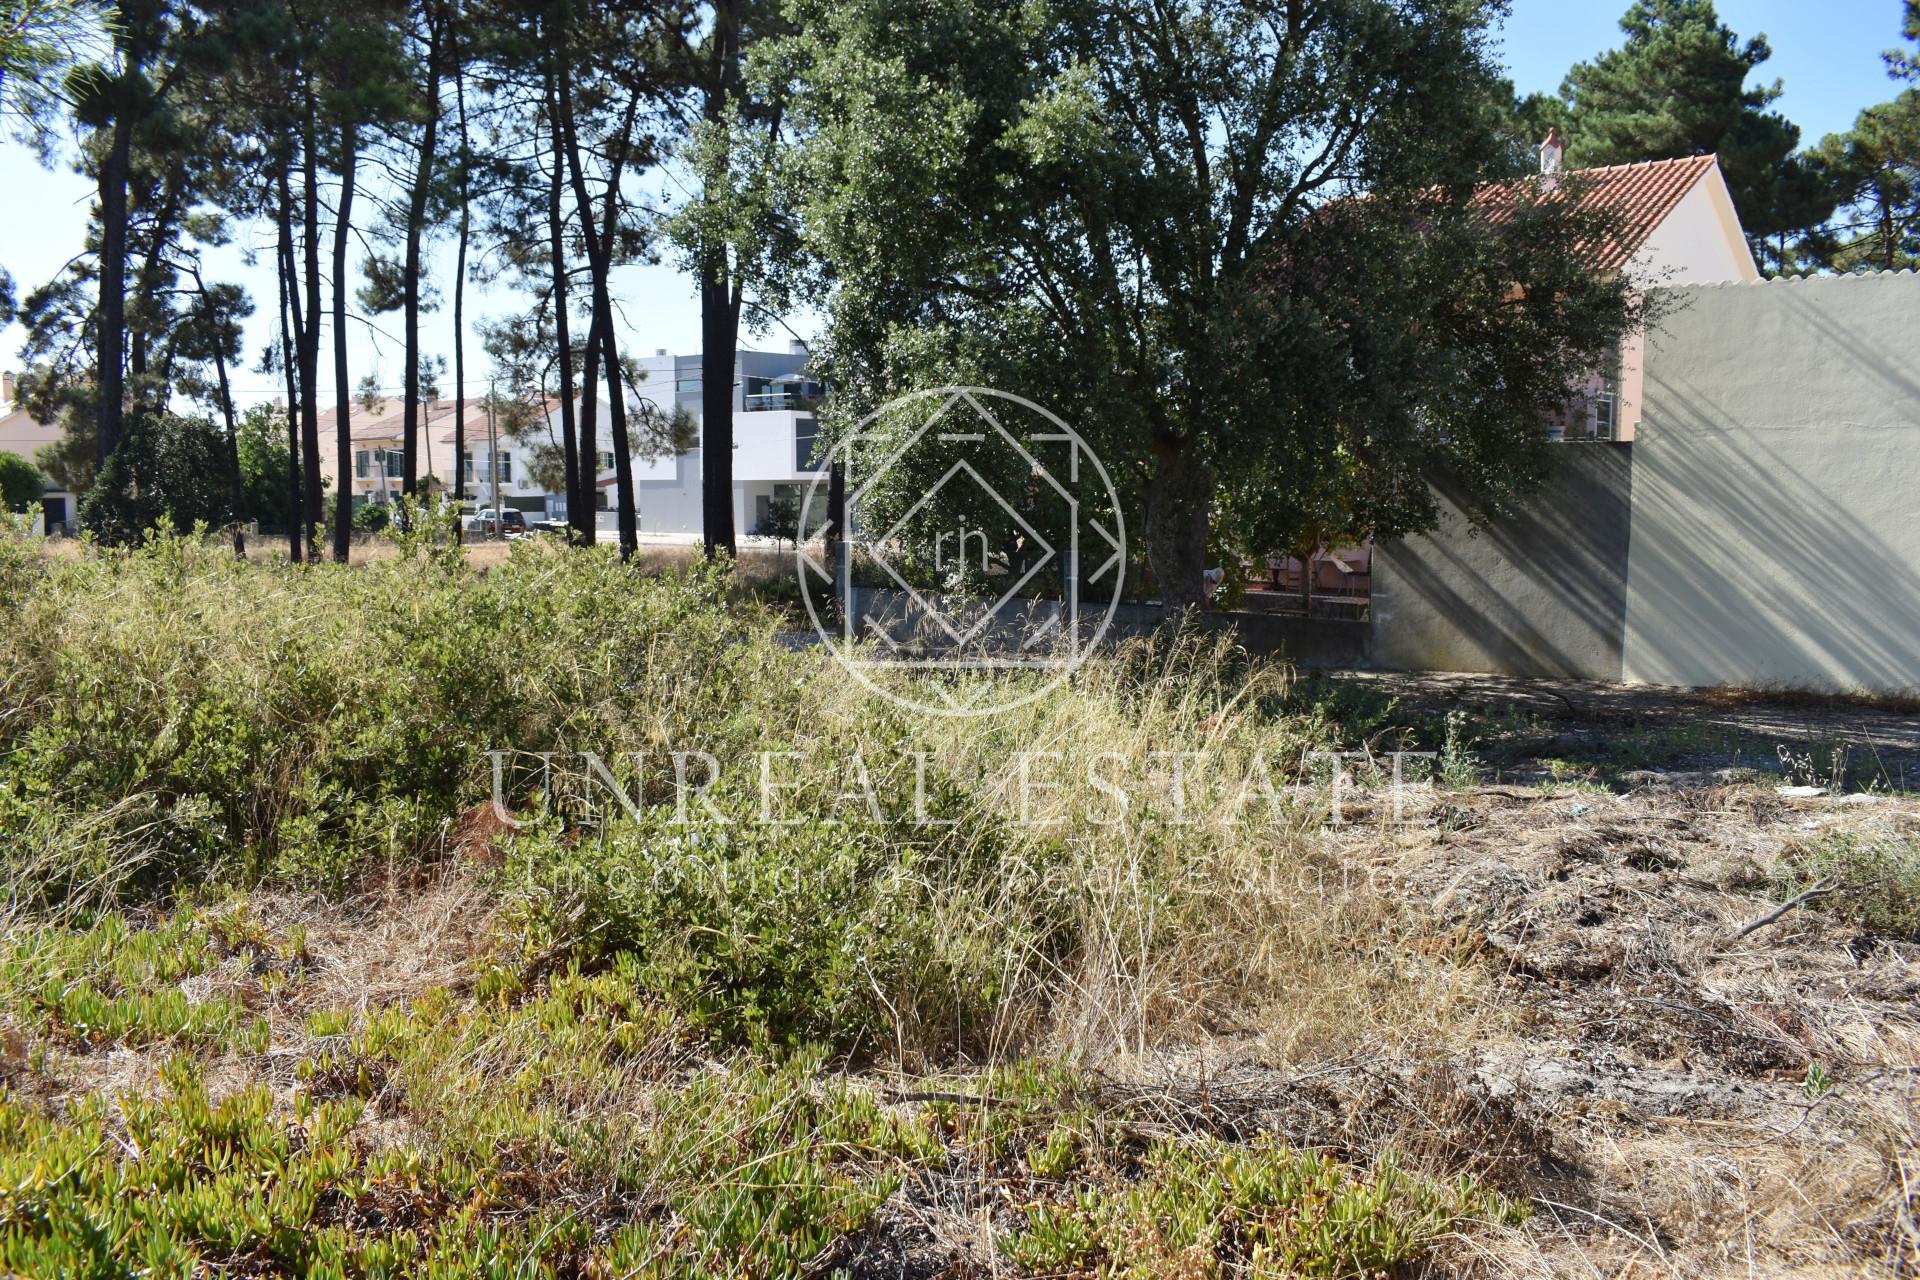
{"x":1821,"y":890}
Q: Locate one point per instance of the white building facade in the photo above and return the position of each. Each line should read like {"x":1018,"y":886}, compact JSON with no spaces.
{"x":774,"y":429}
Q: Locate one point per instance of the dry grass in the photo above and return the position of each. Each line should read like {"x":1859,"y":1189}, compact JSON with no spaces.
{"x":1399,"y":1031}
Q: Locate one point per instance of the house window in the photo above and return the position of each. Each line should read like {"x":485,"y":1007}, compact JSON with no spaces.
{"x":762,"y":394}
{"x":603,"y":460}
{"x":1606,"y":401}
{"x":506,"y":468}
{"x":466,"y":465}
{"x":805,"y":432}
{"x":360,"y":468}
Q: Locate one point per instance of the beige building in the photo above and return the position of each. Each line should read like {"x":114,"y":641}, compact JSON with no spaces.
{"x":24,"y":437}
{"x":1758,"y":532}
{"x":378,"y":461}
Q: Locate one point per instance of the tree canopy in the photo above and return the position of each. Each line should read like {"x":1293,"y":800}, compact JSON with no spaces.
{"x":1244,"y":247}
{"x":1236,"y":245}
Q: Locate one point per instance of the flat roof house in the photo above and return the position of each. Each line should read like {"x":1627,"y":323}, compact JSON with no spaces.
{"x":774,"y":425}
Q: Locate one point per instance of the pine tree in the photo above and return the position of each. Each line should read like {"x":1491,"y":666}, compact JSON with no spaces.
{"x":1905,"y":63}
{"x":735,"y":232}
{"x":1678,"y":87}
{"x":1876,"y":169}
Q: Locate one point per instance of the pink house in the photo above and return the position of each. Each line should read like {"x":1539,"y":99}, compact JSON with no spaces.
{"x":1678,"y":227}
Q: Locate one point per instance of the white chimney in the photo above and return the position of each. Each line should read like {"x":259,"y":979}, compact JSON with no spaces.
{"x":1550,"y":152}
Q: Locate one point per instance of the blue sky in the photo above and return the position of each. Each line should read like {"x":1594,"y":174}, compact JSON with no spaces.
{"x":1827,"y":53}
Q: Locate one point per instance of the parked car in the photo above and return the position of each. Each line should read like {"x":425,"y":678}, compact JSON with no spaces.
{"x":509,"y":522}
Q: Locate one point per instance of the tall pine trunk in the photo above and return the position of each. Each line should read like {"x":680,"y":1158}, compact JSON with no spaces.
{"x":289,"y":318}
{"x":416,"y":227}
{"x":600,"y":264}
{"x":626,"y":495}
{"x":629,"y":517}
{"x":236,"y":488}
{"x":719,"y":335}
{"x":589,"y":425}
{"x":719,"y":309}
{"x":310,"y":337}
{"x":579,"y":489}
{"x":343,"y":437}
{"x":459,"y":296}
{"x":111,"y":337}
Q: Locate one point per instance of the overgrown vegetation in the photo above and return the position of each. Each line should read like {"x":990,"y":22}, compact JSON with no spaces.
{"x":1872,"y":881}
{"x":753,"y":973}
{"x":636,"y":1065}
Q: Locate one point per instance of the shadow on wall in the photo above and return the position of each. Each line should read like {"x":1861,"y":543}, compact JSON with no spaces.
{"x":1776,"y":523}
{"x":1762,"y":530}
{"x":1540,"y":593}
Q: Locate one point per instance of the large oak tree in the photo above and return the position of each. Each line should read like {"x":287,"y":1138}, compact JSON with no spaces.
{"x":1236,"y":245}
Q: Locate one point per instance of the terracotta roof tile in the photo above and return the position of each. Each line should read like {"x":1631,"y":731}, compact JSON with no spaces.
{"x":1641,"y":195}
{"x":390,"y":422}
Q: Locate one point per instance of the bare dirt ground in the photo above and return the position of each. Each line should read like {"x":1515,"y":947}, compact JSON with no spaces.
{"x":1627,"y":727}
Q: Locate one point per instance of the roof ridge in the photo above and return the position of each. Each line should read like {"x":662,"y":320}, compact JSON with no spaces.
{"x":1642,"y":194}
{"x":1711,"y":156}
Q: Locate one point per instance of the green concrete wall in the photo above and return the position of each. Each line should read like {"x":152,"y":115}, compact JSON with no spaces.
{"x":1776,"y":489}
{"x":1542,"y":593}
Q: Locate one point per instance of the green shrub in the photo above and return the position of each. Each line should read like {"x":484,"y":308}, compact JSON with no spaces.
{"x":20,"y":483}
{"x":1876,"y":880}
{"x":372,"y":517}
{"x":851,"y":934}
{"x":170,"y":715}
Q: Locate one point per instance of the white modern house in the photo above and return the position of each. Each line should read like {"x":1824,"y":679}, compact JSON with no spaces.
{"x":773,"y":442}
{"x":774,"y":427}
